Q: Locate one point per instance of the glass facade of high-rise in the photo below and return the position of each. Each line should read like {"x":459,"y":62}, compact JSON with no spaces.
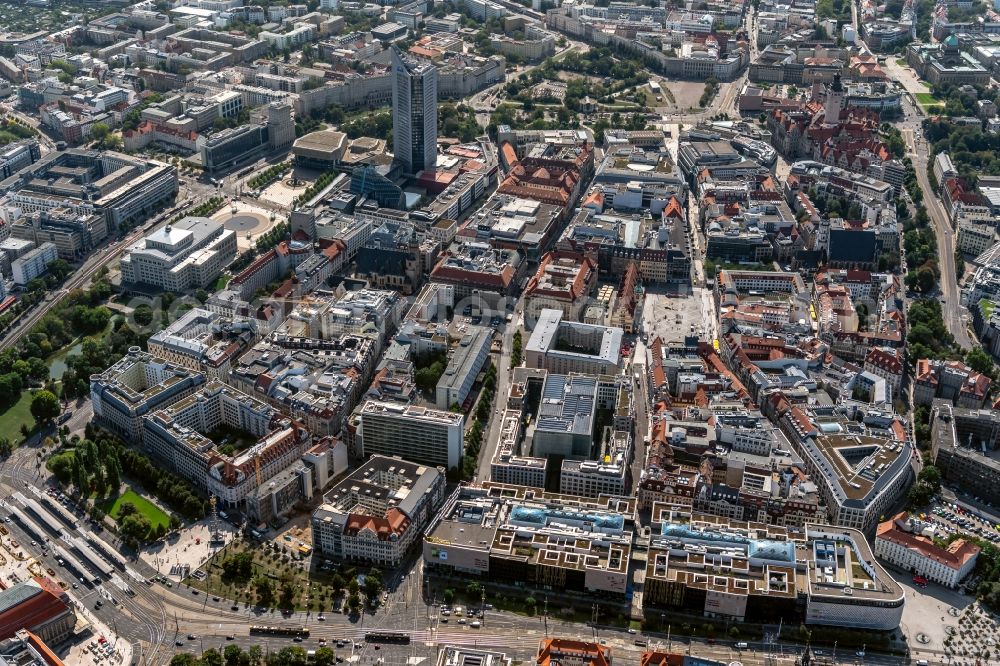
{"x":414,"y":113}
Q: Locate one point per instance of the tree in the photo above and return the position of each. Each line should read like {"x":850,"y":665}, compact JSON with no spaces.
{"x":134,"y":527}
{"x":126,"y":509}
{"x":262,"y":586}
{"x":920,"y":494}
{"x":930,"y":475}
{"x":373,"y":584}
{"x":288,"y":595}
{"x":237,"y":568}
{"x":100,"y":480}
{"x":925,"y":279}
{"x":113,"y":474}
{"x":235,"y":656}
{"x":979,"y":360}
{"x":99,"y":132}
{"x":211,"y":657}
{"x":78,"y":475}
{"x":60,"y":268}
{"x":143,"y":315}
{"x":449,"y":596}
{"x":44,"y":406}
{"x":324,"y":657}
{"x":10,"y":387}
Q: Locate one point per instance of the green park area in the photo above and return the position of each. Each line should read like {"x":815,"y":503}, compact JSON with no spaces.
{"x":16,"y":415}
{"x":270,"y":575}
{"x":928,"y":100}
{"x":113,"y":507}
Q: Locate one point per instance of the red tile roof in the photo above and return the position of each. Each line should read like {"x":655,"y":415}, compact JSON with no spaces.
{"x":394,"y":522}
{"x":551,"y":652}
{"x":957,"y":554}
{"x":887,"y":361}
{"x":43,"y":605}
{"x":582,"y":278}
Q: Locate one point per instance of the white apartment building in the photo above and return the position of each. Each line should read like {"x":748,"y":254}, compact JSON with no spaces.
{"x":189,"y":254}
{"x":136,"y":386}
{"x":33,"y":264}
{"x":417,"y":434}
{"x":596,"y":349}
{"x":592,"y":478}
{"x":509,"y":466}
{"x":856,"y":496}
{"x":177,"y":436}
{"x":299,"y":35}
{"x":755,"y":441}
{"x":900,"y":542}
{"x":975,"y":237}
{"x":467,"y":360}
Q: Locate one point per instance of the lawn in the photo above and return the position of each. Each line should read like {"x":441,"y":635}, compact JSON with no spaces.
{"x":986,"y":306}
{"x":18,"y":414}
{"x":221,"y":283}
{"x":112,"y":505}
{"x":927,"y":99}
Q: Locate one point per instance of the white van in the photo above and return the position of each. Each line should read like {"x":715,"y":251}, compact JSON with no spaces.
{"x":742,"y":645}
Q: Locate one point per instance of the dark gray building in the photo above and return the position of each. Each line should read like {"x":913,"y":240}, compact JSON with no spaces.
{"x":964,"y":443}
{"x":414,"y":113}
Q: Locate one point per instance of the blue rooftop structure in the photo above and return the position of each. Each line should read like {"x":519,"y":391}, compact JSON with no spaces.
{"x":541,"y":516}
{"x":761,"y":549}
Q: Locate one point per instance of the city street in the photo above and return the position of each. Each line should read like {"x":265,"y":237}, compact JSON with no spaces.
{"x":158,"y":617}
{"x":492,"y":437}
{"x":956,"y":317}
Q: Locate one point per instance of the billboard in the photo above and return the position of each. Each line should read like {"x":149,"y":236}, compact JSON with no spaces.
{"x":456,"y":557}
{"x":724,"y":603}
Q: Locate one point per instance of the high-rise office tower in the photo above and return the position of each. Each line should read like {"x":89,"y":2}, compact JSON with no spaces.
{"x":414,"y":113}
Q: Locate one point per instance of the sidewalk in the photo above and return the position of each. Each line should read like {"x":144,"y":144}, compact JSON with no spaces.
{"x":188,"y":547}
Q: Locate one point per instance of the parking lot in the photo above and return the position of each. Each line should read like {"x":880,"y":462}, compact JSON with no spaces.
{"x":955,"y":519}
